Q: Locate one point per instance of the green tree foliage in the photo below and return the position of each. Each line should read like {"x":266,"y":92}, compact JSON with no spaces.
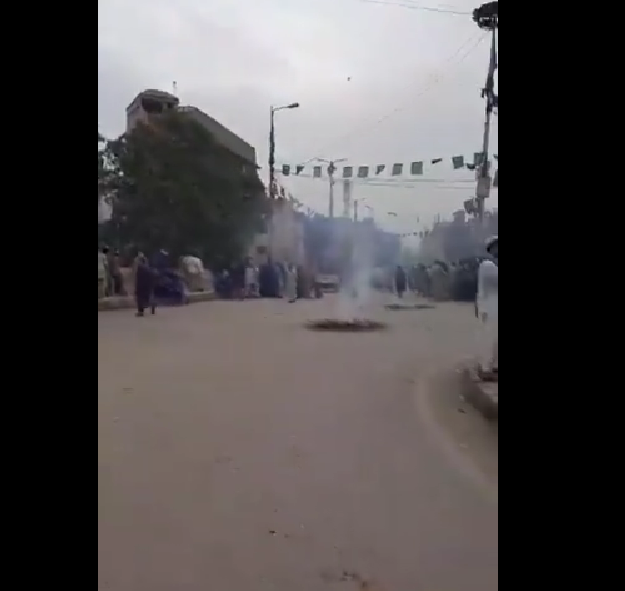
{"x":175,"y":187}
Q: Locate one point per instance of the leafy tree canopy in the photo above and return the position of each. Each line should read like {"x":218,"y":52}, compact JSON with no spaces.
{"x":175,"y":187}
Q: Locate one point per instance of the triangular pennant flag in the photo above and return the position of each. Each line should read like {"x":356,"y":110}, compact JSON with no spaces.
{"x":416,"y":168}
{"x":316,"y":172}
{"x":457,"y":162}
{"x":436,"y":160}
{"x":380,"y":168}
{"x":478,"y":158}
{"x":363,"y":172}
{"x":286,"y":170}
{"x":496,"y":179}
{"x":398,"y":168}
{"x":299,"y":168}
{"x":348,"y":172}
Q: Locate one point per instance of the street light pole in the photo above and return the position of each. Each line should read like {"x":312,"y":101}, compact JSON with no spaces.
{"x":272,"y":147}
{"x":272,"y":154}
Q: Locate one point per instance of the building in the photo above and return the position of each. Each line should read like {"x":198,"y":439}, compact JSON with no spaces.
{"x":284,"y":239}
{"x":156,"y":102}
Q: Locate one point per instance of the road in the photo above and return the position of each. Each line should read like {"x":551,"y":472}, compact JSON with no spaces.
{"x":238,"y":451}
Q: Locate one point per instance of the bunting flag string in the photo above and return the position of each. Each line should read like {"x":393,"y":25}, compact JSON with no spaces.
{"x":396,"y":169}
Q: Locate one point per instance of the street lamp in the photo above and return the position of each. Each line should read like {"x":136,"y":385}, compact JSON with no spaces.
{"x":272,"y":145}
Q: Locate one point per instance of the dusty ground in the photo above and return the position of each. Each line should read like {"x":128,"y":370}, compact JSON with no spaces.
{"x":241,"y":452}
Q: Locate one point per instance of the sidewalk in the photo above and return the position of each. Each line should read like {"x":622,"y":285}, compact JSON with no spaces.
{"x":482,"y":395}
{"x":125,"y":302}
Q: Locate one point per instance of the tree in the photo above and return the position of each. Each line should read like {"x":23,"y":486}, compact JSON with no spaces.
{"x":175,"y":187}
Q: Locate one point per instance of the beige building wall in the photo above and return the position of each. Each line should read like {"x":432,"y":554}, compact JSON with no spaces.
{"x":284,"y":241}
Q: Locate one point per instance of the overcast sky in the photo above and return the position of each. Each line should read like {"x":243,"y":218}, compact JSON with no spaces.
{"x":377,"y":84}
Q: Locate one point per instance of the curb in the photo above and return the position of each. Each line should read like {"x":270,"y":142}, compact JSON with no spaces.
{"x":125,"y":302}
{"x":484,"y":396}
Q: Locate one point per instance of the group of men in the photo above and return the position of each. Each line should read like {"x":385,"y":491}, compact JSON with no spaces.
{"x":268,"y":280}
{"x":110,"y":279}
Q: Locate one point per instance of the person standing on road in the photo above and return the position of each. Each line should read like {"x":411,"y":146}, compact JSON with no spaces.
{"x":250,"y":279}
{"x":487,"y":310}
{"x":144,"y":286}
{"x":101,"y":274}
{"x":291,"y":283}
{"x":116,"y":281}
{"x":400,"y":281}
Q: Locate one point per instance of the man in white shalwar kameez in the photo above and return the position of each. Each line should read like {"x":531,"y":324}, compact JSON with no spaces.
{"x":291,"y":283}
{"x":487,"y":310}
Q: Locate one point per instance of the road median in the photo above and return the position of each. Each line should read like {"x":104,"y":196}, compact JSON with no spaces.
{"x":483,"y":395}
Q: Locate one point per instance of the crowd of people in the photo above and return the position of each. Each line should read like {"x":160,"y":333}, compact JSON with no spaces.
{"x":110,"y":279}
{"x":268,"y":280}
{"x":441,"y":281}
{"x":158,"y":279}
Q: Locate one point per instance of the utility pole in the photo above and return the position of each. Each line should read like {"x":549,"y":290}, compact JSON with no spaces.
{"x":331,"y":171}
{"x":487,"y":17}
{"x":347,"y":197}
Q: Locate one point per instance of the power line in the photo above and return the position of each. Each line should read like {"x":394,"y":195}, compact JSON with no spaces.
{"x":435,"y":79}
{"x":403,"y":183}
{"x":411,"y":6}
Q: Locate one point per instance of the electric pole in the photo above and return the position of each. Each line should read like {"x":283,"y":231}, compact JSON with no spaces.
{"x":487,"y":17}
{"x":331,"y":171}
{"x":347,"y":197}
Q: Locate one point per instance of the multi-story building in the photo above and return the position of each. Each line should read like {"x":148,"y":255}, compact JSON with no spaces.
{"x":156,"y":102}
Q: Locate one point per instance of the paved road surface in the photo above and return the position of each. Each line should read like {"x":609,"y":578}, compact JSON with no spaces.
{"x":239,"y":452}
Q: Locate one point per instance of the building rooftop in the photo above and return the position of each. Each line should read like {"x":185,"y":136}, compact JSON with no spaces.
{"x":222,"y":134}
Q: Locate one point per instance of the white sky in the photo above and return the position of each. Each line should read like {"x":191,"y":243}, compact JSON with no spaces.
{"x":413,"y":94}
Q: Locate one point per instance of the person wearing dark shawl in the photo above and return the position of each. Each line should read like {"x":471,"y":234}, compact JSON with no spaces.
{"x":144,"y":287}
{"x":400,"y":281}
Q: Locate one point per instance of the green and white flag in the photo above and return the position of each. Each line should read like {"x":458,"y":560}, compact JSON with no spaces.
{"x":457,"y":162}
{"x":416,"y":167}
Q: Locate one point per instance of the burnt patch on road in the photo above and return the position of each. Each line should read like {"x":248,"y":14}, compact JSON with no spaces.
{"x":356,"y":325}
{"x":346,"y":576}
{"x":409,"y":307}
